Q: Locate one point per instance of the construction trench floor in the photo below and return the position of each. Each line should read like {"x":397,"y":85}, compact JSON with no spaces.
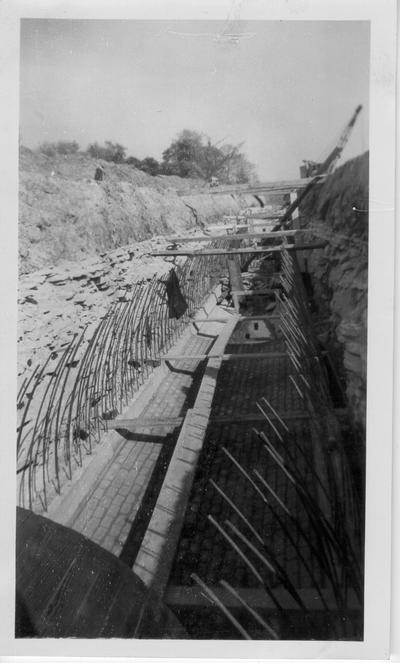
{"x":201,"y":504}
{"x":203,"y":550}
{"x":279,"y":587}
{"x":116,"y":511}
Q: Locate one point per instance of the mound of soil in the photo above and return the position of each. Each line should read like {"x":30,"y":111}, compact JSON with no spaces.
{"x":65,"y":215}
{"x":83,"y":243}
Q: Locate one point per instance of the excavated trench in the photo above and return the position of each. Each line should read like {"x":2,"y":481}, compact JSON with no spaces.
{"x":289,"y":556}
{"x":209,"y":572}
{"x":279,"y":543}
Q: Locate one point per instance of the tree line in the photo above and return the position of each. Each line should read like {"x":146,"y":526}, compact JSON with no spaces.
{"x":191,"y":154}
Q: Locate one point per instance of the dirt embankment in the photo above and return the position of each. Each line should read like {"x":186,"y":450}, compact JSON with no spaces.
{"x":84,"y":243}
{"x":338,"y":211}
{"x":65,"y":215}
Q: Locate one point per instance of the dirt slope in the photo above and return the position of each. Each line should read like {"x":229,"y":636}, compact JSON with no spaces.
{"x":65,"y":214}
{"x":83,"y":243}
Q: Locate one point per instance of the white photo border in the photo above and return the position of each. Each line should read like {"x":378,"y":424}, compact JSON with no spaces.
{"x":382,"y":17}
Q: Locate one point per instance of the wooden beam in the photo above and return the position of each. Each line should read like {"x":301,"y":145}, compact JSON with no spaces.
{"x":222,"y":321}
{"x":295,"y":213}
{"x":286,"y":415}
{"x":279,"y":190}
{"x":256,"y":417}
{"x":227,"y":252}
{"x":235,"y":278}
{"x":147,"y":422}
{"x":193,"y":597}
{"x":259,"y":214}
{"x":262,"y":291}
{"x":236,"y":356}
{"x":143,"y":422}
{"x":272,"y":187}
{"x":236,"y":218}
{"x":232,"y":236}
{"x":262,"y":316}
{"x":224,"y":357}
{"x":270,"y":316}
{"x":243,"y":226}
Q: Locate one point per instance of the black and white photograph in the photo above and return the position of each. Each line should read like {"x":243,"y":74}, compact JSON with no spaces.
{"x":195,"y":237}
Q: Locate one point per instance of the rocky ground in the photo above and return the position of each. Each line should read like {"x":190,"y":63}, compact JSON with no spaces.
{"x":82,"y":243}
{"x":338,"y":212}
{"x":65,"y":215}
{"x":57,"y":302}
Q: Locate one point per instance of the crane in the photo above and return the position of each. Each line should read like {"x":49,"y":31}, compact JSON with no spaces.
{"x":312,"y":168}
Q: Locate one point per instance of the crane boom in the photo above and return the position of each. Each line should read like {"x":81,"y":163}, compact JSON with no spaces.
{"x":310,"y":168}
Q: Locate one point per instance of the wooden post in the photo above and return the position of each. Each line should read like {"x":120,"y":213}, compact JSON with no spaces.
{"x":296,"y":226}
{"x":295,"y":213}
{"x":232,"y":252}
{"x":235,"y":277}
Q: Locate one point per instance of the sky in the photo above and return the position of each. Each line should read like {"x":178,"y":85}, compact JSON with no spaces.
{"x":285,"y":89}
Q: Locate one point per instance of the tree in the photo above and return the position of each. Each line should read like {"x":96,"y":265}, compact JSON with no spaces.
{"x":219,"y":161}
{"x":67,"y":147}
{"x":236,"y":169}
{"x":184,"y":156}
{"x":109,"y":152}
{"x":150,"y":166}
{"x":194,"y":155}
{"x":133,"y":161}
{"x":49,"y":149}
{"x":61,"y":147}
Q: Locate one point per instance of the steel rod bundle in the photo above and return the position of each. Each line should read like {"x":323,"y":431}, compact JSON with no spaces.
{"x":64,"y":406}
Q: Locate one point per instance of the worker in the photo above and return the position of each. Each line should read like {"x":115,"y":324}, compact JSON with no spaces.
{"x":99,"y":174}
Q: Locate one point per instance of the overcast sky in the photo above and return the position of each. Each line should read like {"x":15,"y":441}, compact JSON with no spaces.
{"x":284,"y":88}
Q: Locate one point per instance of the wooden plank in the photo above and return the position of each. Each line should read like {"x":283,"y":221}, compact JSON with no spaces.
{"x":270,"y":316}
{"x":280,"y":185}
{"x":246,"y":226}
{"x":270,"y":234}
{"x":236,"y":281}
{"x":192,"y":596}
{"x":261,"y":291}
{"x":286,"y":415}
{"x":221,"y":320}
{"x":143,"y":422}
{"x":236,"y":356}
{"x":232,"y":228}
{"x":227,"y":252}
{"x":224,"y":357}
{"x":223,"y":339}
{"x":255,"y":215}
{"x":259,"y":214}
{"x":257,"y":416}
{"x":295,"y":213}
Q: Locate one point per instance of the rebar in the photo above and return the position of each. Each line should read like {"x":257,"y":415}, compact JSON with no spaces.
{"x":214,"y":599}
{"x":251,"y":610}
{"x":71,"y":410}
